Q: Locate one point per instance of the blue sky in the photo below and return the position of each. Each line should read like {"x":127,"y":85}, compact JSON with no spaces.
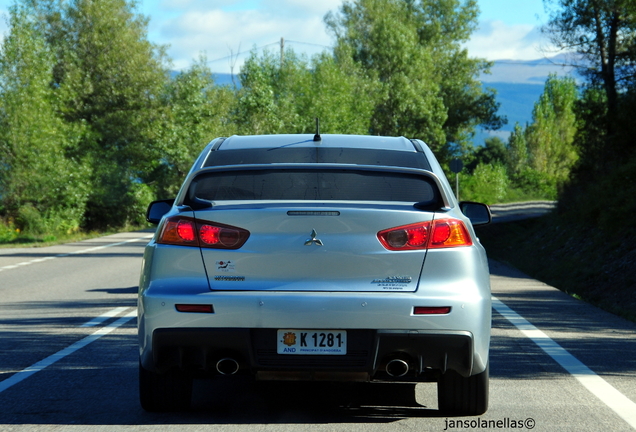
{"x":221,"y":29}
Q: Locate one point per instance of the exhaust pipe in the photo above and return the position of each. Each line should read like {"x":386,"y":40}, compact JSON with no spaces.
{"x":227,"y":366}
{"x":397,"y":368}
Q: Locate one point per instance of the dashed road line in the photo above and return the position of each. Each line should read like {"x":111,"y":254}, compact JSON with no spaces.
{"x":103,"y":317}
{"x":38,"y":260}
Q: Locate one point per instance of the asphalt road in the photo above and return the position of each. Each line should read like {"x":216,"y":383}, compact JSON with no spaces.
{"x":69,"y":360}
{"x":521,"y":210}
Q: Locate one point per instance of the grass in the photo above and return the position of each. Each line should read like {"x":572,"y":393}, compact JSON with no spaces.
{"x":583,"y":261}
{"x":10,"y":238}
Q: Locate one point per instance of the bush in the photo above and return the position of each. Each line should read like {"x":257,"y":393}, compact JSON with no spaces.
{"x":605,"y":202}
{"x":30,"y":219}
{"x":488,"y":184}
{"x":8,"y":232}
{"x":535,"y":183}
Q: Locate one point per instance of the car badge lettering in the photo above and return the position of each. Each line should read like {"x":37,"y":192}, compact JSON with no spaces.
{"x":394,"y":279}
{"x":313,"y":239}
{"x":229,"y":278}
{"x":395,"y":283}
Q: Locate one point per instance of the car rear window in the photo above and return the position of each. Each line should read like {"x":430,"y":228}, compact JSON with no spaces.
{"x":290,"y":184}
{"x":356,"y":156}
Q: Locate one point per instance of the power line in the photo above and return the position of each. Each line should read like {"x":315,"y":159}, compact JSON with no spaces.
{"x":307,"y":43}
{"x":232,"y":56}
{"x":242,"y":52}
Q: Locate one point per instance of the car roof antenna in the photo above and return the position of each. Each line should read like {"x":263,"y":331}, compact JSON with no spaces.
{"x":317,"y":137}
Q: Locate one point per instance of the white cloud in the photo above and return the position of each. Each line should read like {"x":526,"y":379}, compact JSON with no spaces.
{"x":225,"y":27}
{"x":219,"y":33}
{"x":303,"y":7}
{"x":496,"y":40}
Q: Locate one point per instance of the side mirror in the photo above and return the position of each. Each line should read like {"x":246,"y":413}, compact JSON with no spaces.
{"x":157,"y":209}
{"x":478,"y":213}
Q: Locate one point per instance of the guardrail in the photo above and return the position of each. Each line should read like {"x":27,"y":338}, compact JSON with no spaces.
{"x":521,"y":210}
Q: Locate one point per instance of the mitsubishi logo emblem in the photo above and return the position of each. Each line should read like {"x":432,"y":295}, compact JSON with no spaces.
{"x":313,"y":239}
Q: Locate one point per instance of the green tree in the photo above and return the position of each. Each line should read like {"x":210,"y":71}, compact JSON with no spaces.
{"x":196,"y":110}
{"x":113,"y":79}
{"x":550,"y":136}
{"x":42,"y":186}
{"x":409,"y":100}
{"x":603,"y":32}
{"x":488,"y":183}
{"x":287,"y":97}
{"x":517,"y":157}
{"x":492,"y":152}
{"x":268,"y":94}
{"x":429,"y":86}
{"x":340,"y":95}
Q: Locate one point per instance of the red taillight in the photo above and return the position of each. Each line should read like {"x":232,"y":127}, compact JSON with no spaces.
{"x":178,"y":231}
{"x":442,"y":233}
{"x":449,"y":233}
{"x":184,"y":231}
{"x":406,"y":237}
{"x":210,"y":234}
{"x":431,"y":310}
{"x":200,"y":308}
{"x":223,"y":237}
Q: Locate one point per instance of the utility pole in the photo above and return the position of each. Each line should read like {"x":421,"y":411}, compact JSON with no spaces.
{"x":282,"y":51}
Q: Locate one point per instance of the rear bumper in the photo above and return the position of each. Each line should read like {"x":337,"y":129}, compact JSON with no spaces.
{"x":380,"y":327}
{"x":198,"y":350}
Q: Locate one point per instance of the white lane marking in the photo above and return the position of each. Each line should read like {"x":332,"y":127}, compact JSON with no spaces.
{"x":622,"y":405}
{"x":37,"y":260}
{"x":103,"y":317}
{"x":37,"y":367}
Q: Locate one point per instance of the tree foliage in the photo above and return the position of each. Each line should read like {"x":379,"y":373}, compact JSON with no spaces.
{"x":537,"y":159}
{"x":114,"y":78}
{"x":428,"y":85}
{"x":517,"y":155}
{"x":194,"y":109}
{"x":550,"y":137}
{"x":93,"y":125}
{"x":488,"y":183}
{"x":603,"y":32}
{"x":287,"y":97}
{"x":40,"y":178}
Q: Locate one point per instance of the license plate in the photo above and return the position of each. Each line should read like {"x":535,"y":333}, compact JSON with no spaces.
{"x":312,"y":342}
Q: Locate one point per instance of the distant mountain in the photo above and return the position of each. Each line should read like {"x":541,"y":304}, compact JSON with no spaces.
{"x":518,"y":84}
{"x":225,"y":79}
{"x":529,"y":71}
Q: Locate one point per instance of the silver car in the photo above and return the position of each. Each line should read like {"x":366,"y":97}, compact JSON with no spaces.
{"x":309,"y":257}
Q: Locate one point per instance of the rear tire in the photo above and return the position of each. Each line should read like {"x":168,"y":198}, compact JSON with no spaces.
{"x":171,"y":391}
{"x":457,"y":395}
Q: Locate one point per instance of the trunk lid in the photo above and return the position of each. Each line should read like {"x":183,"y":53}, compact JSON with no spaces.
{"x":296,"y":247}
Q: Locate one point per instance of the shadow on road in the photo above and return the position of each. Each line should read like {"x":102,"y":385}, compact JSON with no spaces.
{"x":243,"y":401}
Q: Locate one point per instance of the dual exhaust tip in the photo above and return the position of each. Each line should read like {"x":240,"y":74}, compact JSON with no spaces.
{"x":227,"y":366}
{"x":396,"y":367}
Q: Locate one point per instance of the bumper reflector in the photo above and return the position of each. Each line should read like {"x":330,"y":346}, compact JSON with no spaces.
{"x":431,"y":310}
{"x":201,"y":308}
